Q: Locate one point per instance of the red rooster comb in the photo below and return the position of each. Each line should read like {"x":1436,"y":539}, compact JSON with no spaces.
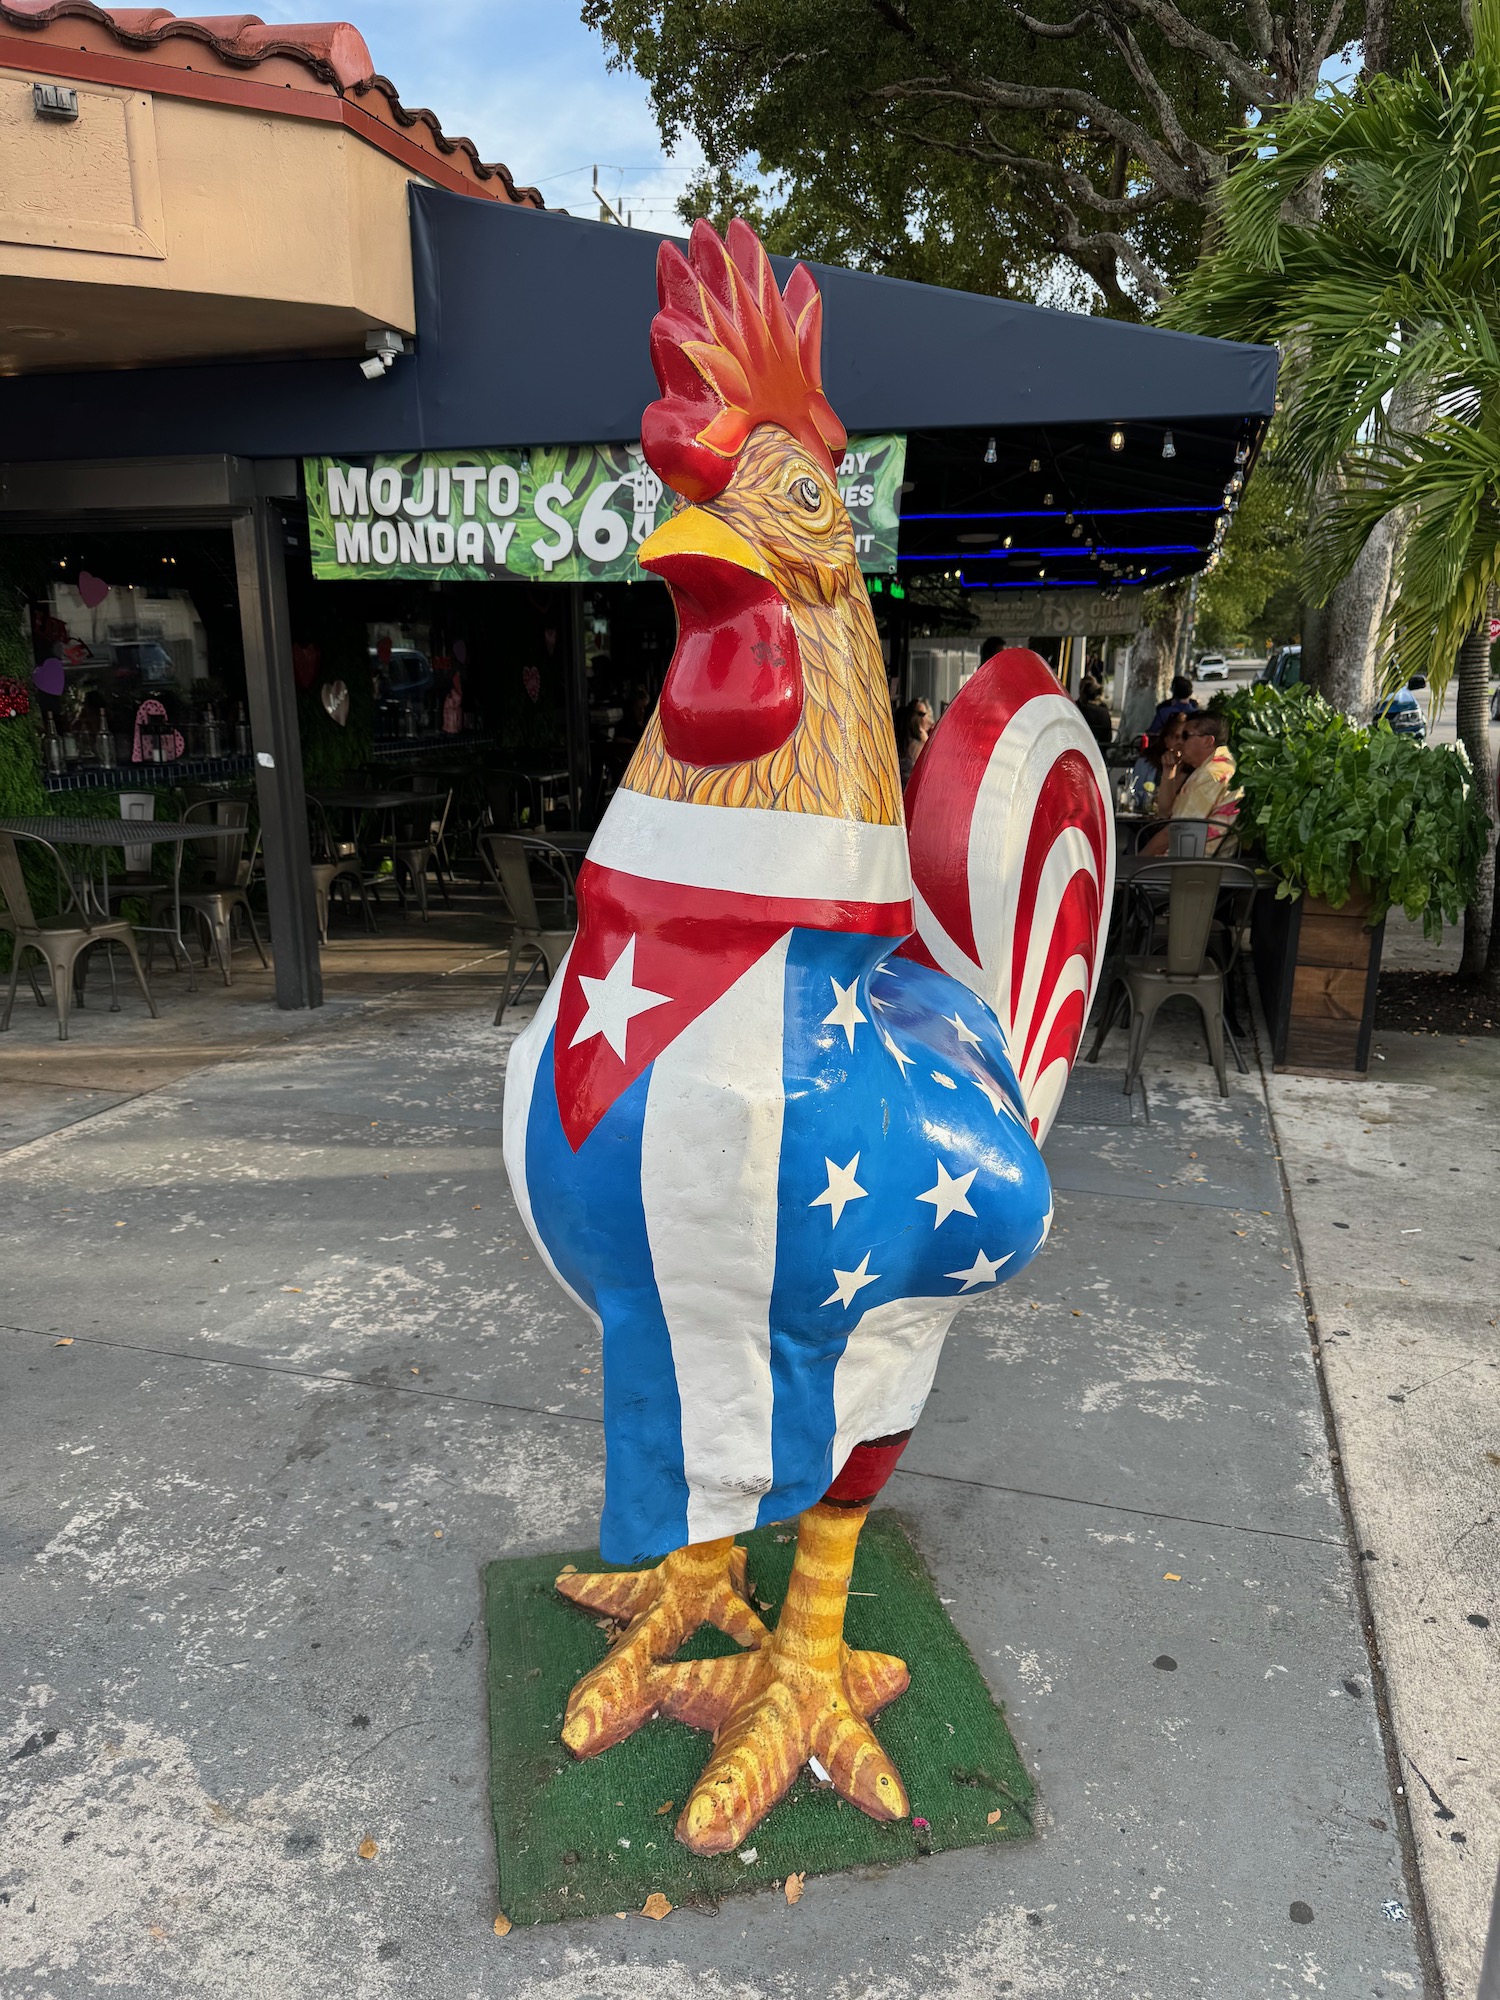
{"x":730,"y":352}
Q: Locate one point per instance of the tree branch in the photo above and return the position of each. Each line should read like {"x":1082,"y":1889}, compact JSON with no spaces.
{"x":1049,"y":174}
{"x":1255,"y":85}
{"x":1054,"y":31}
{"x":1206,"y":164}
{"x":1114,"y":124}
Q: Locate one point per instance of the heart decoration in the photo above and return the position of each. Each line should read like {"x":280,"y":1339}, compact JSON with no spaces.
{"x":92,"y":589}
{"x":335,"y":698}
{"x":305,"y":663}
{"x":460,"y":650}
{"x":531,"y":680}
{"x":48,"y":677}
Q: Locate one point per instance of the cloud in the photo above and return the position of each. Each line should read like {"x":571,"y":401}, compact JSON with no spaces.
{"x":530,"y":86}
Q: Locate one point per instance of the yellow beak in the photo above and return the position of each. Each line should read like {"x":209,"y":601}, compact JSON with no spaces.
{"x":695,"y":532}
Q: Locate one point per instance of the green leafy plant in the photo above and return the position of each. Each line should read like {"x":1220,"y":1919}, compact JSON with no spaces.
{"x":1333,"y":806}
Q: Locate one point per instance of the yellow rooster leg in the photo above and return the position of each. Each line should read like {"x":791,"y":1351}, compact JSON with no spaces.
{"x":702,"y":1584}
{"x":804,"y":1695}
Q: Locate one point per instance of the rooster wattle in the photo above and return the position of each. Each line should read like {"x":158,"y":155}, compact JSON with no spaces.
{"x":768,"y":1138}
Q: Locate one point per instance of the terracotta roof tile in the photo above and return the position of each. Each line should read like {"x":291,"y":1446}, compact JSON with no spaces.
{"x":330,"y":57}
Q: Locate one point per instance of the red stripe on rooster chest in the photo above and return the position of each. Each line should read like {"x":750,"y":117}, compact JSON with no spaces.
{"x":649,"y":958}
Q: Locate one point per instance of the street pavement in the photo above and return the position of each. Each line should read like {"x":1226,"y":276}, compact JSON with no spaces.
{"x":280,"y":1372}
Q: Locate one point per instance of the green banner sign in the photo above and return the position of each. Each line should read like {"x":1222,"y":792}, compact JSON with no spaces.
{"x":558,"y":513}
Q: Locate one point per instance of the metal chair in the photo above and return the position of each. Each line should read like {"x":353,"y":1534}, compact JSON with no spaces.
{"x":334,"y":862}
{"x":1138,"y":983}
{"x":60,"y":941}
{"x":224,"y":891}
{"x":137,"y":878}
{"x":542,"y":853}
{"x":534,"y":933}
{"x":417,"y":852}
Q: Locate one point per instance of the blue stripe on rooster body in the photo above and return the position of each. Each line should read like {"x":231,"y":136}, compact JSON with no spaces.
{"x":906,"y":1182}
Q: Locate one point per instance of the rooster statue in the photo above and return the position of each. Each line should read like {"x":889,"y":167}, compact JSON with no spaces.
{"x":778,"y":1114}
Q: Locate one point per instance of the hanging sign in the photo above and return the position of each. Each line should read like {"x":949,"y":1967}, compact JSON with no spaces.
{"x":557,"y":513}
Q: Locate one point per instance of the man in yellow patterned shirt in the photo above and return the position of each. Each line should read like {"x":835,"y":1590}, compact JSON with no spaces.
{"x":1200,"y":783}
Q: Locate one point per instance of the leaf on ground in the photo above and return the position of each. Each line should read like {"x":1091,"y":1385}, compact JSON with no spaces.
{"x":503,"y":1925}
{"x":367,"y":1850}
{"x":64,"y":1343}
{"x":656,"y":1906}
{"x":665,"y":1808}
{"x":794,"y":1888}
{"x":992,"y":1819}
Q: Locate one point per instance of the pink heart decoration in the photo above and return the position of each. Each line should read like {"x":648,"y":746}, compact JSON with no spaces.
{"x":48,"y":677}
{"x":92,"y":589}
{"x":460,"y":650}
{"x":531,"y":680}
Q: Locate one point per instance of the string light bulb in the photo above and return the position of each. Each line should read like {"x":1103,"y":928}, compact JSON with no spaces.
{"x":1168,"y":445}
{"x":1036,"y":465}
{"x":1117,"y":439}
{"x":990,"y":453}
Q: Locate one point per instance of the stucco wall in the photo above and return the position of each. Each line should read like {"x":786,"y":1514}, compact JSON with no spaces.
{"x":293,"y":225}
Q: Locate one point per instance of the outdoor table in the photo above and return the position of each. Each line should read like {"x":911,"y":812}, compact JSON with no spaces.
{"x":100,"y":836}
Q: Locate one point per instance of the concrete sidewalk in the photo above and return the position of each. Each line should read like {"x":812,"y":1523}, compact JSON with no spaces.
{"x":317,"y":1379}
{"x":1394,"y":1184}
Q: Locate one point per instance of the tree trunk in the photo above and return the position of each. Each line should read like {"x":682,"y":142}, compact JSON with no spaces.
{"x":1354,"y":616}
{"x":1149,"y":671}
{"x":1474,"y":734}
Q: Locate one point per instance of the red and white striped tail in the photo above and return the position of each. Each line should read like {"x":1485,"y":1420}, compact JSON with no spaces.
{"x":1013,"y":862}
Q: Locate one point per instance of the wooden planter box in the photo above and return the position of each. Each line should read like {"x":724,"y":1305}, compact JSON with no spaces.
{"x":1317,"y":969}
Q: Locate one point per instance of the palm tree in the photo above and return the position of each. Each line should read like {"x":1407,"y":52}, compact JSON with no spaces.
{"x":1361,"y":230}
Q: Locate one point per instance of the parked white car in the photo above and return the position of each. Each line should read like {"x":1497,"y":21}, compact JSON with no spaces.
{"x":1212,"y":667}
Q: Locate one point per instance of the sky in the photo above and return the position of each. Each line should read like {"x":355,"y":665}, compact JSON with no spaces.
{"x":527,"y":82}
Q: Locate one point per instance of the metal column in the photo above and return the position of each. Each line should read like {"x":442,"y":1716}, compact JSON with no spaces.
{"x":577,"y":705}
{"x":260,"y":567}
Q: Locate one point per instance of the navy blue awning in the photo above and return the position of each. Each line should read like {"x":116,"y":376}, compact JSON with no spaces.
{"x":532,"y":329}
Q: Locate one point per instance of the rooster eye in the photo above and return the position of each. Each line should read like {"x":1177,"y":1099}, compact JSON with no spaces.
{"x":807,"y":493}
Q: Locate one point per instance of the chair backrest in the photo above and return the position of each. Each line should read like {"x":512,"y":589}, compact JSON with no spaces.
{"x":1187,"y":839}
{"x":1190,"y":913}
{"x":13,"y":885}
{"x":138,"y":805}
{"x":512,"y":868}
{"x":234,"y":816}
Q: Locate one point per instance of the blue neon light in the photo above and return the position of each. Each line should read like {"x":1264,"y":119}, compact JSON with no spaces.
{"x":1061,"y":513}
{"x":1067,"y":549}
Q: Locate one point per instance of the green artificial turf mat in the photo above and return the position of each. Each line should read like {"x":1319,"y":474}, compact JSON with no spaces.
{"x":587,"y":1839}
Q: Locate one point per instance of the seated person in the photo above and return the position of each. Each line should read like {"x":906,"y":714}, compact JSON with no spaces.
{"x":1197,"y":781}
{"x":1145,"y":778}
{"x":1179,"y":702}
{"x":1092,"y":708}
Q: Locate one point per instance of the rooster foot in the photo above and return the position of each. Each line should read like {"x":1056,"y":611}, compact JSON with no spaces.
{"x":703,"y":1584}
{"x":786,"y":1712}
{"x":804,"y":1695}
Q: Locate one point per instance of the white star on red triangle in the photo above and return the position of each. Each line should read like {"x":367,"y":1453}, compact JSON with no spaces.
{"x":614,"y":1001}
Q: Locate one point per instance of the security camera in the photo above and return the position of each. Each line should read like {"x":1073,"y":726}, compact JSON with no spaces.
{"x":384,"y":344}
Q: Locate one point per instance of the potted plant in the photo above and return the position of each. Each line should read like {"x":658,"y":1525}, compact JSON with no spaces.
{"x":1353,"y":822}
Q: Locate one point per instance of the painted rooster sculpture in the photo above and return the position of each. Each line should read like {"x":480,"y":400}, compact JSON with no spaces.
{"x":778,"y":1115}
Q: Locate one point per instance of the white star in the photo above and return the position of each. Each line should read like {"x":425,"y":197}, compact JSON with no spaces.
{"x":842,"y":1188}
{"x":614,"y":1001}
{"x":847,"y":1283}
{"x":982,"y":1271}
{"x":946,"y":1081}
{"x":1046,"y":1226}
{"x":964,"y":1031}
{"x":992,"y":1092}
{"x":904,"y":1060}
{"x":951,"y":1195}
{"x":845,"y":1014}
